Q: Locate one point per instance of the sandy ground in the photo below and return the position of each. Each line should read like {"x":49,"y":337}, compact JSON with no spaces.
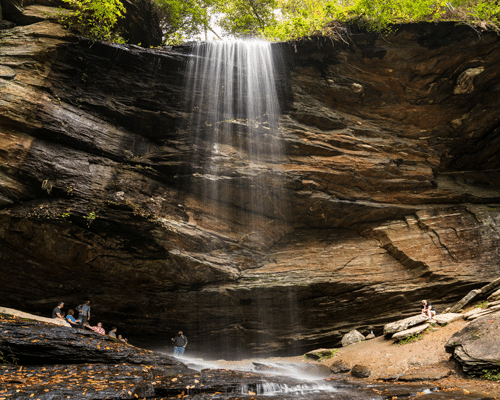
{"x":423,"y":361}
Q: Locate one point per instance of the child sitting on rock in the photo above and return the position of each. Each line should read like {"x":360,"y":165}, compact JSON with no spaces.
{"x":427,"y":310}
{"x":71,"y":319}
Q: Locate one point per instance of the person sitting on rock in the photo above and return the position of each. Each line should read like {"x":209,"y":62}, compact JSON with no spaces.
{"x":112,"y":332}
{"x":56,"y":312}
{"x":426,"y":309}
{"x":122,"y":339}
{"x":71,"y":319}
{"x":98,"y":328}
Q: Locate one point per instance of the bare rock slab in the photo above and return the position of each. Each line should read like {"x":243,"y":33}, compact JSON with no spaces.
{"x":319,"y":353}
{"x":476,"y":346}
{"x":410,"y":332}
{"x":404,"y":324}
{"x":425,"y":376}
{"x":443,"y":319}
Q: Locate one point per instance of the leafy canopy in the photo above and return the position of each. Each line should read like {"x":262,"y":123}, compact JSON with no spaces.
{"x":299,"y":18}
{"x":183,"y":20}
{"x":95,"y":19}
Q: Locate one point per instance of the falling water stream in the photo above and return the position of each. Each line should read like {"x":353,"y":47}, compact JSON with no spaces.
{"x":232,"y":99}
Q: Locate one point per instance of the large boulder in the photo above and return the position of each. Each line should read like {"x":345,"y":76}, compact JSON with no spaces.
{"x":352,"y":337}
{"x":476,"y":346}
{"x":360,"y":371}
{"x":340,"y":366}
{"x":404,"y":324}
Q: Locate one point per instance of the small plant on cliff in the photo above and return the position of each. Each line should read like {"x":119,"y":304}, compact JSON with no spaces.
{"x":90,"y":218}
{"x":8,"y":359}
{"x":95,"y":19}
{"x":47,"y":186}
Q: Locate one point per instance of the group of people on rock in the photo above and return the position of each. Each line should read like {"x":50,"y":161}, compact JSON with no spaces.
{"x":83,"y":319}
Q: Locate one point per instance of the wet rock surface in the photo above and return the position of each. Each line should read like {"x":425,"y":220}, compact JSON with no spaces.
{"x":390,"y":172}
{"x":33,"y":342}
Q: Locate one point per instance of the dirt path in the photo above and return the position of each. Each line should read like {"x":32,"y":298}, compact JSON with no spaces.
{"x":425,"y":360}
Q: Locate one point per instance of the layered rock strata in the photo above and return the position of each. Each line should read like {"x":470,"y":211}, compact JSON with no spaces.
{"x":390,"y":174}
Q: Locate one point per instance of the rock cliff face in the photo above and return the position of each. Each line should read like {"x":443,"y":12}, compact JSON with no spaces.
{"x":390,"y":174}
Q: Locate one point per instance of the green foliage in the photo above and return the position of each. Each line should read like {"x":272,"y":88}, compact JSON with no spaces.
{"x":299,"y":18}
{"x":95,"y":19}
{"x":90,"y":218}
{"x":246,"y":17}
{"x":182,"y":19}
{"x":327,"y":354}
{"x":491,"y":375}
{"x":410,"y":339}
{"x":484,"y":304}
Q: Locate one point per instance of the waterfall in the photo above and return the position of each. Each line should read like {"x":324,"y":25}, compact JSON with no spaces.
{"x":232,"y":101}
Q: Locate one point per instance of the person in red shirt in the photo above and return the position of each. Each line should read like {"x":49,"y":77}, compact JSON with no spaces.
{"x":98,"y":329}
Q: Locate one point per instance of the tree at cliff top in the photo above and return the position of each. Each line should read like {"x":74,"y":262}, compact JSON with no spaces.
{"x":181,"y":20}
{"x":300,"y":18}
{"x":95,"y":19}
{"x":291,"y":19}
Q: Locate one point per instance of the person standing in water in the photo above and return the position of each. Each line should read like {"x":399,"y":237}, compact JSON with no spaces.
{"x":180,"y":342}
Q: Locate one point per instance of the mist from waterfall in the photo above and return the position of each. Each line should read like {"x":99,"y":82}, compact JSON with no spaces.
{"x":234,"y":109}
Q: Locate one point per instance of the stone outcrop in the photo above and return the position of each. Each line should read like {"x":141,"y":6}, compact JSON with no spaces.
{"x":447,"y":318}
{"x":404,"y":324}
{"x":476,"y":345}
{"x":35,"y":342}
{"x":340,"y":366}
{"x":23,"y":315}
{"x":476,"y":294}
{"x":483,"y":309}
{"x":415,"y":330}
{"x":352,"y":337}
{"x":390,"y":173}
{"x":360,"y":371}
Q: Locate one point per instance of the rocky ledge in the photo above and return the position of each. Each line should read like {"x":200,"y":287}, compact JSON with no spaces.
{"x":389,"y":174}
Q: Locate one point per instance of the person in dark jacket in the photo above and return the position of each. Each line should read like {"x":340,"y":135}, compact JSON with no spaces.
{"x":180,"y":342}
{"x":57,"y":311}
